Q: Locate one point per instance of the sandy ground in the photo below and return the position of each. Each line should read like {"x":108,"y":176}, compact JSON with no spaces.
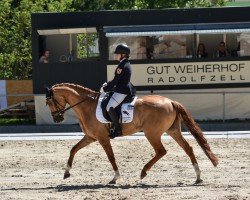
{"x":34,"y":170}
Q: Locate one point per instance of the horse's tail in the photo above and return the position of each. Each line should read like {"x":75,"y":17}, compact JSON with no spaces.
{"x":195,"y":131}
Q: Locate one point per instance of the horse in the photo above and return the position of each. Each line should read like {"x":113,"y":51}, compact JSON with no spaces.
{"x":153,"y":114}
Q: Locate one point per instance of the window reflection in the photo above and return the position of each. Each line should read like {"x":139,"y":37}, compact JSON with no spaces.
{"x":155,"y":47}
{"x":170,"y":46}
{"x":137,"y":45}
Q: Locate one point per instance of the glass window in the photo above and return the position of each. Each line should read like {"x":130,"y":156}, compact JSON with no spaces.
{"x":172,"y":46}
{"x":155,"y":47}
{"x":137,"y":45}
{"x":211,"y":44}
{"x":224,"y":45}
{"x":87,"y":45}
{"x":58,"y":47}
{"x":244,"y":44}
{"x":233,"y":44}
{"x":205,"y":45}
{"x":68,"y":45}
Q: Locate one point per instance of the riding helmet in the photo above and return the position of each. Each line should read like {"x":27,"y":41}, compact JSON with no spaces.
{"x":122,"y":49}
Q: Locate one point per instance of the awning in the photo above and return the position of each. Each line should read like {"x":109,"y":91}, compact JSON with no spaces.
{"x":123,"y":31}
{"x":66,"y":31}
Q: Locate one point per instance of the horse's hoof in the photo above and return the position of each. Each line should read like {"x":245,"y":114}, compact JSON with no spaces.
{"x":198,"y":181}
{"x":143,"y":174}
{"x":112,"y":182}
{"x":66,"y":175}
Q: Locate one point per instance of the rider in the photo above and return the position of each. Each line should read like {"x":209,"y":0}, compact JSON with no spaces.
{"x":121,"y":86}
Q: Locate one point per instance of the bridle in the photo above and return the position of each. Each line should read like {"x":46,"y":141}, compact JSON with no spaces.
{"x":60,"y":110}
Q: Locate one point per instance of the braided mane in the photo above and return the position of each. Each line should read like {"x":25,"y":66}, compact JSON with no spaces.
{"x":82,"y":91}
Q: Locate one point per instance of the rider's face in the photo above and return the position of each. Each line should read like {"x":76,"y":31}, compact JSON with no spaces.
{"x":118,"y":57}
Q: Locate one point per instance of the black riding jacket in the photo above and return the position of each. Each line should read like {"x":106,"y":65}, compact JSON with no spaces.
{"x":121,"y":82}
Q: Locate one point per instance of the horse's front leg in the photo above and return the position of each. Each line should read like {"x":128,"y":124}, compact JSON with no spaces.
{"x":82,"y":143}
{"x":109,"y":151}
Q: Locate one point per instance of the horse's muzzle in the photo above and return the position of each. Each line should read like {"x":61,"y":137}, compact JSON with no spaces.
{"x":58,"y":118}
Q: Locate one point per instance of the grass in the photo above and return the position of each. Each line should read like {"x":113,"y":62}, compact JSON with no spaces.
{"x":16,"y":121}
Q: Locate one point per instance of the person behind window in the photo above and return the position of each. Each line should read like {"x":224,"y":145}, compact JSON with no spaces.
{"x":222,"y":50}
{"x":45,"y":57}
{"x":201,"y":51}
{"x":121,"y":86}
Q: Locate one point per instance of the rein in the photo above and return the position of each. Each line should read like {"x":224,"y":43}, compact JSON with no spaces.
{"x":62,"y":111}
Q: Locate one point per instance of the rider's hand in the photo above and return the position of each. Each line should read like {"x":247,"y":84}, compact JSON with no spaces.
{"x":102,"y":89}
{"x":104,"y":84}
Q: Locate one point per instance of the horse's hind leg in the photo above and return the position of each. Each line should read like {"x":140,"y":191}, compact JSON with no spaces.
{"x":175,"y":133}
{"x":82,"y":143}
{"x":160,"y":151}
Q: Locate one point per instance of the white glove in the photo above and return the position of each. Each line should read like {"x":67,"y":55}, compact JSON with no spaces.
{"x":103,"y":85}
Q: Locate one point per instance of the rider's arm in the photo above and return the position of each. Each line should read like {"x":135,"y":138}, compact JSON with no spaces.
{"x":113,"y":83}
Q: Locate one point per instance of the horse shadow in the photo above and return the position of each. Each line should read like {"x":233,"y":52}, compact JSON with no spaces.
{"x":65,"y":188}
{"x":62,"y":188}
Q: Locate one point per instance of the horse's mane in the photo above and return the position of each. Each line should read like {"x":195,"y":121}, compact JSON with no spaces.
{"x":82,"y":91}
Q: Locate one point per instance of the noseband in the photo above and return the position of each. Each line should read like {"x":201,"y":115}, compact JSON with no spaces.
{"x":59,"y":111}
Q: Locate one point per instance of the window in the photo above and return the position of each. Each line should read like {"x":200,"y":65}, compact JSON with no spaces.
{"x":244,"y":44}
{"x":170,"y":46}
{"x":235,"y":44}
{"x":155,"y":47}
{"x":87,"y":45}
{"x":211,"y":44}
{"x":69,"y":45}
{"x":137,"y":45}
{"x":182,"y":41}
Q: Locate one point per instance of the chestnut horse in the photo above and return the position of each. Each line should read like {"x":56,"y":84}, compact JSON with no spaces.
{"x":153,"y":115}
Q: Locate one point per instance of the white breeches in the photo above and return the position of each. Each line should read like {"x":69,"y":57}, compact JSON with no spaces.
{"x":115,"y":100}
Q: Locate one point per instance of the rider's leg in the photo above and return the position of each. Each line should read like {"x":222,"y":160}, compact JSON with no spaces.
{"x":114,"y":101}
{"x":117,"y":131}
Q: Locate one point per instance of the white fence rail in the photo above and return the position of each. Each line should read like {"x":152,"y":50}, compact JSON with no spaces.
{"x":224,"y":97}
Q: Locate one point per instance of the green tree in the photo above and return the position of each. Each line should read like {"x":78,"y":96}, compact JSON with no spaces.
{"x":91,"y":5}
{"x":15,"y":34}
{"x":15,"y":24}
{"x":142,"y":4}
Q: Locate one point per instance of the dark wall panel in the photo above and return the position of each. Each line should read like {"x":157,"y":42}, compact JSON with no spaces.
{"x":140,"y":17}
{"x":88,"y":74}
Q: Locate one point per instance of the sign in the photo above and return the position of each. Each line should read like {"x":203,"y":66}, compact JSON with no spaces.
{"x":159,"y":74}
{"x":3,"y":99}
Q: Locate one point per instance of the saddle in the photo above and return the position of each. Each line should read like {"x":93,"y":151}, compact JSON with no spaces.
{"x":104,"y":103}
{"x":125,"y":110}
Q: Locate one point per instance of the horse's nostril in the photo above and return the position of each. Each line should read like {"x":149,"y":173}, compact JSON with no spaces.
{"x":58,"y":118}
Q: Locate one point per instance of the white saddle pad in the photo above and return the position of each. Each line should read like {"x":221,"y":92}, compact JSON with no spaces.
{"x":127,"y":111}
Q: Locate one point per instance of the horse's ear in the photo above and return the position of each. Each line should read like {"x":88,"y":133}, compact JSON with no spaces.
{"x":48,"y":92}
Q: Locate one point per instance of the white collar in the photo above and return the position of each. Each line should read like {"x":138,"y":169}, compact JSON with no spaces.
{"x":123,"y":59}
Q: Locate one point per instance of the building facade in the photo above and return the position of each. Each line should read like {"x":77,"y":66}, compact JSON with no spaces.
{"x":199,"y":57}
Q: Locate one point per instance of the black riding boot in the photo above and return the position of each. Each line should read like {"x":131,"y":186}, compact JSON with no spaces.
{"x":117,"y":131}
